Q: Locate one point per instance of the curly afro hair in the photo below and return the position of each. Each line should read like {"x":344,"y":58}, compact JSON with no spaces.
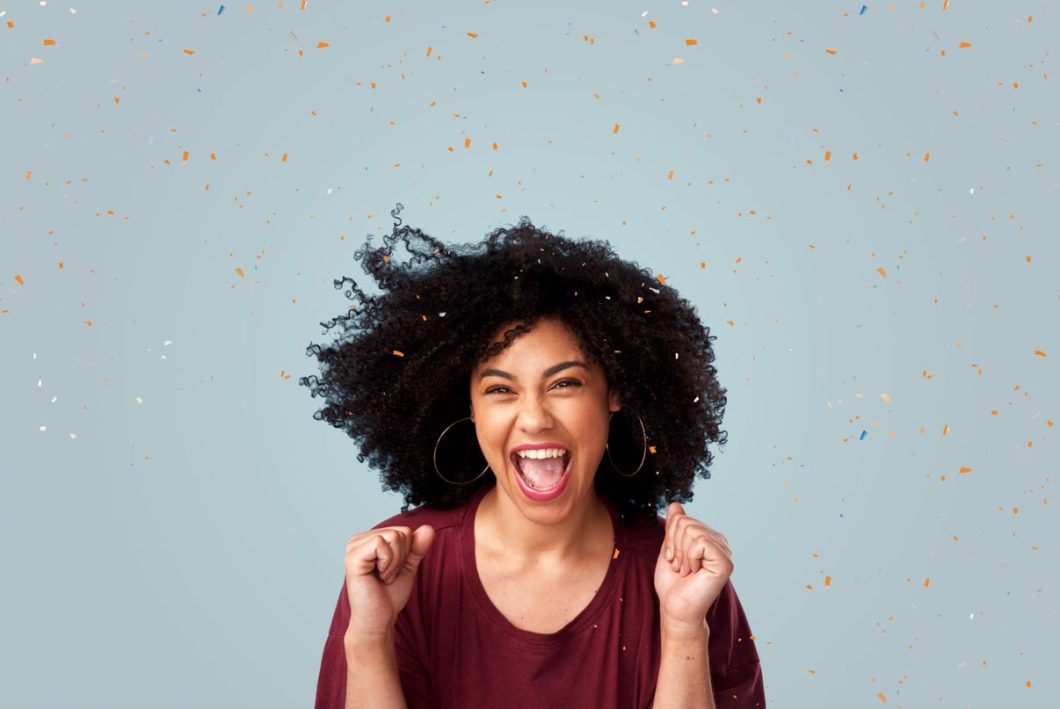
{"x":399,"y":372}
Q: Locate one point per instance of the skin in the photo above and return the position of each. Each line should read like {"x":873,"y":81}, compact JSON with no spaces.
{"x":522,"y":396}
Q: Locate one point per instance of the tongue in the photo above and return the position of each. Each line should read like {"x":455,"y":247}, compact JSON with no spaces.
{"x":542,"y":473}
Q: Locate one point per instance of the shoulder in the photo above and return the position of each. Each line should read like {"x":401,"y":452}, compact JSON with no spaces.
{"x":439,"y":519}
{"x":643,"y":536}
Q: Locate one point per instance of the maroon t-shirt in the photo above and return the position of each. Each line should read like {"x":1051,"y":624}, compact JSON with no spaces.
{"x":456,"y":650}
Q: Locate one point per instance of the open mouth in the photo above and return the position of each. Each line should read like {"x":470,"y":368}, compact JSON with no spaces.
{"x":542,"y":469}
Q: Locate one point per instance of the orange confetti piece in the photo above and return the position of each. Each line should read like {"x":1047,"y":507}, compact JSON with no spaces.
{"x":882,"y":697}
{"x":964,"y":45}
{"x":661,"y":279}
{"x":185,"y":156}
{"x":758,"y":100}
{"x":323,"y":45}
{"x":854,"y":156}
{"x":827,"y":155}
{"x":88,"y":322}
{"x":885,"y":397}
{"x":829,"y":51}
{"x":882,"y":272}
{"x":524,"y":84}
{"x":302,"y":7}
{"x":964,"y":471}
{"x":703,"y":265}
{"x":945,"y":4}
{"x":428,"y":51}
{"x":1028,"y":259}
{"x":615,"y":129}
{"x":61,"y":266}
{"x":651,"y":449}
{"x":239,"y":272}
{"x":670,"y":175}
{"x":467,"y":142}
{"x":398,"y":353}
{"x":927,"y":582}
{"x":18,"y":278}
{"x":387,"y":19}
{"x":472,"y":35}
{"x":189,"y":52}
{"x":49,"y":43}
{"x":29,"y":174}
{"x":945,"y":430}
{"x":1039,"y":353}
{"x":691,"y":42}
{"x":651,"y":24}
{"x":927,"y":156}
{"x":827,"y":581}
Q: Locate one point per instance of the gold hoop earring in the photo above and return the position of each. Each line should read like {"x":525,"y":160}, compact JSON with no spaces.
{"x":435,"y":456}
{"x":643,"y":454}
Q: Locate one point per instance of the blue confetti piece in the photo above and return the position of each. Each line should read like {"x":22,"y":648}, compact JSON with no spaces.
{"x":862,"y":436}
{"x":221,"y":9}
{"x":863,"y":8}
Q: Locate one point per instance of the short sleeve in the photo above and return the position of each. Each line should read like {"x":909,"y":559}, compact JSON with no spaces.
{"x":331,"y":682}
{"x":415,"y":680}
{"x":735,"y":670}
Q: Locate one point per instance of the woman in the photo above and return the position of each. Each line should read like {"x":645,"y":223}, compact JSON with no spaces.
{"x":539,"y":400}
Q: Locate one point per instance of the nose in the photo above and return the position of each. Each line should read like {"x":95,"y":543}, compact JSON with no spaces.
{"x":534,"y":415}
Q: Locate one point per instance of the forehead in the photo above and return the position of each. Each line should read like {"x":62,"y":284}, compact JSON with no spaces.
{"x":547,"y":340}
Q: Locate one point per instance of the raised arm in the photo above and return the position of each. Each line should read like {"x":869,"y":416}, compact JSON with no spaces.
{"x":380,"y":567}
{"x":693,"y":567}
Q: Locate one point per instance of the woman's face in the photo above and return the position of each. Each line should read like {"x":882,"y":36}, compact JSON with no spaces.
{"x":541,"y":415}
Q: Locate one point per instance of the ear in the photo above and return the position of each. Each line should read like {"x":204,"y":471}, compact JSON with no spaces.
{"x":613,"y":403}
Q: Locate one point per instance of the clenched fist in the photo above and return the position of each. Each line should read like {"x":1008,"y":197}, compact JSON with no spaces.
{"x":380,"y":567}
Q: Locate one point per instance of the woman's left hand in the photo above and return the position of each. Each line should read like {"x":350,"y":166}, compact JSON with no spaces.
{"x":694,"y":564}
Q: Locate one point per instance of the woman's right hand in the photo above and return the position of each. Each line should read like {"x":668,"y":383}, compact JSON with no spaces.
{"x":380,"y":567}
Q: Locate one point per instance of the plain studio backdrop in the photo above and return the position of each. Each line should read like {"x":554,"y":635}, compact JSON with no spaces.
{"x":856,"y":197}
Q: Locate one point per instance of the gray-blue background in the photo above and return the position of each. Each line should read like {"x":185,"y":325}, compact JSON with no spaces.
{"x":172,"y":519}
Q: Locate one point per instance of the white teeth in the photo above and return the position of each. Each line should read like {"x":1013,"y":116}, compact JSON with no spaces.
{"x":541,"y":453}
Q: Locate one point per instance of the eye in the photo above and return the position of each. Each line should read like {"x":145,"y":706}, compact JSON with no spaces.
{"x":497,"y":390}
{"x":570,"y":383}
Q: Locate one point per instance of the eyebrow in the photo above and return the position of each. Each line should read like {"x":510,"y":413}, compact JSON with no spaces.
{"x":547,"y":373}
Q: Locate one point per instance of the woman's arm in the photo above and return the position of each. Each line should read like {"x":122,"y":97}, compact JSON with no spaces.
{"x":693,"y":568}
{"x":380,"y":567}
{"x":684,"y":670}
{"x":371,"y":674}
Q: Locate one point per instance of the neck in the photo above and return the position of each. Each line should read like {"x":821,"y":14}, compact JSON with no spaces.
{"x":580,"y":533}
